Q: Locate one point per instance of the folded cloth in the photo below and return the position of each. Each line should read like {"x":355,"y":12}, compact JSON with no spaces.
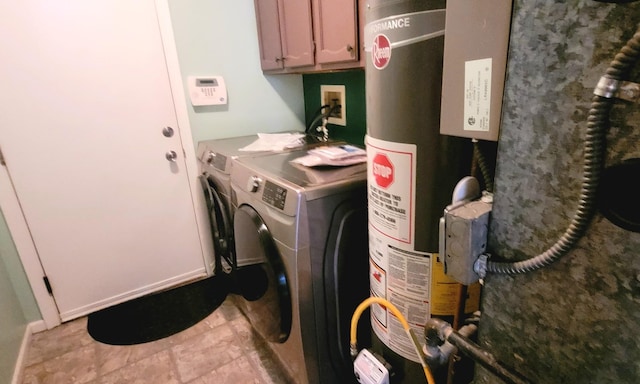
{"x":275,"y":142}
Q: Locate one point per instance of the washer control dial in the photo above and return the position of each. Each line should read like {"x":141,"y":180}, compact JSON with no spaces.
{"x":211,"y":156}
{"x":253,"y":184}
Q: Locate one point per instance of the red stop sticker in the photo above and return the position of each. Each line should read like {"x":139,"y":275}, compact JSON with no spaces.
{"x":382,"y":170}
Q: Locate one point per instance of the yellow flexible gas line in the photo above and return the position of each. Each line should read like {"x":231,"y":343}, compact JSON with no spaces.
{"x":386,"y":303}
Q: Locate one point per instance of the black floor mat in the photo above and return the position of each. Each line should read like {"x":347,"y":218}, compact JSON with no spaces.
{"x":158,"y":315}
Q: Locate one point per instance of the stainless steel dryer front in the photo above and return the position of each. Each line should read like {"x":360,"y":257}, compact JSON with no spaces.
{"x":308,"y":227}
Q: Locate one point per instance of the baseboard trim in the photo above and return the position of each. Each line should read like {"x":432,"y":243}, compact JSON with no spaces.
{"x":33,"y":327}
{"x":37,"y":326}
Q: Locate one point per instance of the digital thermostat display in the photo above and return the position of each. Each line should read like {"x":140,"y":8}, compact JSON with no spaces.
{"x":207,"y":90}
{"x":206,"y":82}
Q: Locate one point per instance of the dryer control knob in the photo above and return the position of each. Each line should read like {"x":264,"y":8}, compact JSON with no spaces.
{"x":253,"y":184}
{"x":211,"y":157}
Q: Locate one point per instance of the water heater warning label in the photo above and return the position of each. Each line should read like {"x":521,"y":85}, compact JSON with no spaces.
{"x":391,"y":182}
{"x":477,"y":95}
{"x":398,"y":273}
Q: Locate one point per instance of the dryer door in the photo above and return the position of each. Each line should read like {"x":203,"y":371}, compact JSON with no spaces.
{"x":264,"y":285}
{"x":221,"y":230}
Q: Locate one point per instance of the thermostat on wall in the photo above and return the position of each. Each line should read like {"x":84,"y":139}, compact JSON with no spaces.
{"x":207,"y":90}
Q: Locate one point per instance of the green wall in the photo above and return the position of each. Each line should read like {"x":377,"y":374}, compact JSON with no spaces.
{"x":16,"y":300}
{"x":353,"y":81}
{"x":257,"y":102}
{"x":221,"y":38}
{"x":12,"y":326}
{"x":16,"y":274}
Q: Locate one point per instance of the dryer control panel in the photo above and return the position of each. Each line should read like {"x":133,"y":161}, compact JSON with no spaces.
{"x":274,"y":195}
{"x":260,"y":187}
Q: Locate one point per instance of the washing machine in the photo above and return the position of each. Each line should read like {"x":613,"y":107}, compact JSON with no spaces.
{"x":305,"y":230}
{"x":215,"y":158}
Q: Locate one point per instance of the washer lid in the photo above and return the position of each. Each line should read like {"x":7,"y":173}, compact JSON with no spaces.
{"x":618,"y":196}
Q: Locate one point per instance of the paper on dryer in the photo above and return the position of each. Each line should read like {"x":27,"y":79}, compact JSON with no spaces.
{"x":335,"y":155}
{"x":323,"y":175}
{"x":275,"y":142}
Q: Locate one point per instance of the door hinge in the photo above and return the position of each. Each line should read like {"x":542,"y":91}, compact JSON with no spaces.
{"x":2,"y":162}
{"x":48,"y":285}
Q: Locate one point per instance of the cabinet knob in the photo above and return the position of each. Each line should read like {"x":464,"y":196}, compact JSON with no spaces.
{"x":349,"y":48}
{"x":279,"y":59}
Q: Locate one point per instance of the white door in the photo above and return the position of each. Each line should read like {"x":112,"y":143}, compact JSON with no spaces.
{"x":84,"y":98}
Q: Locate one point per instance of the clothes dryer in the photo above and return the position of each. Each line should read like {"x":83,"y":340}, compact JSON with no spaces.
{"x":306,"y":229}
{"x":215,"y":158}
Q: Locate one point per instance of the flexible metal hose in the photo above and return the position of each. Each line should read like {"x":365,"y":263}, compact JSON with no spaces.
{"x":484,"y":166}
{"x":353,"y":344}
{"x":595,"y":143}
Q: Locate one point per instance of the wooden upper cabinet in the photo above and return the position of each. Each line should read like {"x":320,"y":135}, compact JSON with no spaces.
{"x":297,"y":32}
{"x":285,"y":33}
{"x":304,"y":36}
{"x":336,"y":30}
{"x":268,"y":22}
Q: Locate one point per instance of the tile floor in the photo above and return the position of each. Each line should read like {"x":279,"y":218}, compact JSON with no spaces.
{"x":220,"y":349}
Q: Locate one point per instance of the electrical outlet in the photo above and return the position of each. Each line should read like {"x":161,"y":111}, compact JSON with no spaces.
{"x":334,"y":95}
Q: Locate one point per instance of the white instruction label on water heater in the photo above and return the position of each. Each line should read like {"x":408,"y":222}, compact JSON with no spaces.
{"x":402,"y":277}
{"x":477,"y":95}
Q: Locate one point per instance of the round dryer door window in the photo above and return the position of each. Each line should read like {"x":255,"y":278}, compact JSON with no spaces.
{"x":264,"y":285}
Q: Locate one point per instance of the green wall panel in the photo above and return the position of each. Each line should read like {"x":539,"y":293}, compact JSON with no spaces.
{"x":353,"y":81}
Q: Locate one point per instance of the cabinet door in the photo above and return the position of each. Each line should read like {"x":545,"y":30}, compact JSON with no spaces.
{"x":297,"y":32}
{"x":336,"y":30}
{"x":269,"y":39}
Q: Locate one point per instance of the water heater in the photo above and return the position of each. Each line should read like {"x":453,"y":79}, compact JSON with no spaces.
{"x":412,"y":171}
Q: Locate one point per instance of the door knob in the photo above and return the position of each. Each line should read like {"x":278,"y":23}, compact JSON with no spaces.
{"x":167,"y":131}
{"x":171,"y":156}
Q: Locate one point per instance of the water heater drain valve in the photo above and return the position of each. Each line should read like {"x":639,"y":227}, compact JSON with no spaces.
{"x":370,"y":368}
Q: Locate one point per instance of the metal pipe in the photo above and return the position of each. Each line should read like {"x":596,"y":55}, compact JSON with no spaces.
{"x":439,"y":333}
{"x":485,"y":359}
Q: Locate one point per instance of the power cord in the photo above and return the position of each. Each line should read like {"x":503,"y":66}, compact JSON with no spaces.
{"x":324,"y":117}
{"x":317,"y":114}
